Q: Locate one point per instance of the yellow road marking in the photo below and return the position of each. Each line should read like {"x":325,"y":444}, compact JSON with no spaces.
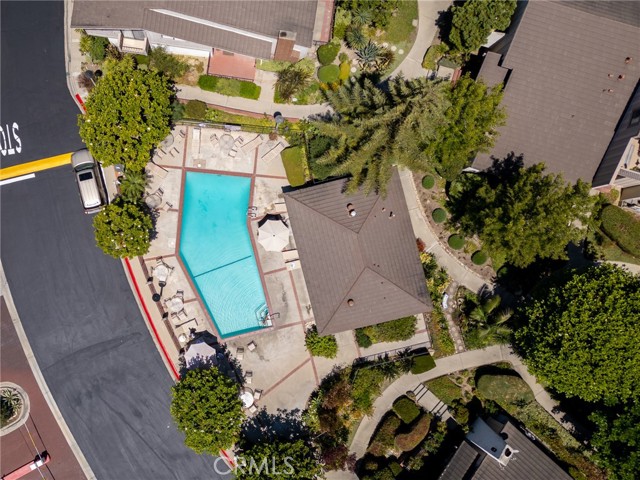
{"x":36,"y":166}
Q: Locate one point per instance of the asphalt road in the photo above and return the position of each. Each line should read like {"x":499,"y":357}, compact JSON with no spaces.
{"x":35,"y":98}
{"x":75,"y":304}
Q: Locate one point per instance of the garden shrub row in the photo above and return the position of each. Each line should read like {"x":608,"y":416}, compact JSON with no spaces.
{"x":410,"y":440}
{"x":406,"y":409}
{"x":622,"y":227}
{"x":318,"y":346}
{"x":293,"y":161}
{"x":229,"y":86}
{"x":393,"y":331}
{"x":384,"y":437}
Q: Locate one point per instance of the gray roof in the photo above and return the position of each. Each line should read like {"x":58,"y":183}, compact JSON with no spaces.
{"x":527,"y":462}
{"x":264,"y":17}
{"x":564,"y":57}
{"x":370,"y":258}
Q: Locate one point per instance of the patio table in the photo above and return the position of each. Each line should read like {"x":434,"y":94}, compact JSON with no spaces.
{"x":247,"y":398}
{"x":153,"y":201}
{"x":226,"y":143}
{"x":161,"y":272}
{"x":167,"y":142}
{"x":176,"y":304}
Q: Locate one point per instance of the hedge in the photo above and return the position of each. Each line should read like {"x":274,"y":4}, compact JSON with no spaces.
{"x":456,"y":241}
{"x":479,"y":257}
{"x":406,"y":409}
{"x":428,"y":182}
{"x":229,"y":86}
{"x":195,"y":109}
{"x":345,"y":71}
{"x":408,"y":441}
{"x":393,"y":331}
{"x":383,"y":439}
{"x":328,"y":53}
{"x":364,"y":341}
{"x":329,"y":73}
{"x":293,"y":162}
{"x":439,"y":215}
{"x":422,"y":363}
{"x":622,"y":227}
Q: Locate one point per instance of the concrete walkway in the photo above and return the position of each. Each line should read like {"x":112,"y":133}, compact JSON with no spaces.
{"x":456,"y":270}
{"x":445,"y":366}
{"x":428,"y":11}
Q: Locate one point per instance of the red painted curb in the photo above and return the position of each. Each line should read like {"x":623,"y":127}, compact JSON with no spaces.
{"x":79,"y":99}
{"x":153,"y":327}
{"x":228,"y":459}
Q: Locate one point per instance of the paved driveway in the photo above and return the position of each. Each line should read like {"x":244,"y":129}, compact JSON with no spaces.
{"x":77,"y":309}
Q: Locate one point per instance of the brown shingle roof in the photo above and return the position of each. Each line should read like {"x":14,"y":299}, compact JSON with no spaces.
{"x":264,"y":17}
{"x":559,"y":108}
{"x":370,"y":258}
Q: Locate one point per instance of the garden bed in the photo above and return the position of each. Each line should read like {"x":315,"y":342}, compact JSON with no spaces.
{"x":229,"y":86}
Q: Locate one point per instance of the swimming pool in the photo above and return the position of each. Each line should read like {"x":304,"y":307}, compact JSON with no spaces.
{"x":216,"y":249}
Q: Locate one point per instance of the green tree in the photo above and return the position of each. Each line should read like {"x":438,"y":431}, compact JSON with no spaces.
{"x":617,"y":441}
{"x":491,"y":322}
{"x":325,"y":346}
{"x":374,"y":129}
{"x":128,"y":114}
{"x":582,"y":337}
{"x":472,"y":117}
{"x":206,"y":407}
{"x":95,"y":47}
{"x":291,"y":81}
{"x":520,"y":213}
{"x":294,"y":460}
{"x":474,"y":20}
{"x":133,"y":186}
{"x":123,"y":230}
{"x":166,"y":63}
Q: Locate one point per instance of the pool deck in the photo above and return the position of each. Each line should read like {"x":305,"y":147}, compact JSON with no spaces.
{"x":280,"y":364}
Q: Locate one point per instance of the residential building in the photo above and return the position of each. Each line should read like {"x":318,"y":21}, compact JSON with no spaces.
{"x":359,"y":255}
{"x":228,"y":31}
{"x":571,"y":72}
{"x":495,"y":450}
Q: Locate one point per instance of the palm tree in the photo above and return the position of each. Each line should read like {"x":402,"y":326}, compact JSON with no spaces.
{"x":374,"y":129}
{"x":133,"y":186}
{"x":491,"y":323}
{"x":291,"y":81}
{"x":355,"y":38}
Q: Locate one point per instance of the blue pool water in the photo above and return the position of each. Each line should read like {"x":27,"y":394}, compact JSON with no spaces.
{"x":216,"y":249}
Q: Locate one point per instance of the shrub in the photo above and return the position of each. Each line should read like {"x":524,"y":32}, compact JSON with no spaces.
{"x":355,"y":38}
{"x":94,"y":47}
{"x":364,"y":341}
{"x":195,"y":109}
{"x":460,"y":412}
{"x":329,"y":73}
{"x":408,"y":441}
{"x":456,"y":241}
{"x":622,"y":227}
{"x":328,"y":53}
{"x":433,"y":54}
{"x":383,"y":439}
{"x":343,"y":57}
{"x":345,"y":71}
{"x":395,"y":468}
{"x":428,"y":182}
{"x":170,"y":65}
{"x":142,"y":59}
{"x":229,"y":86}
{"x":479,"y":257}
{"x":320,"y":346}
{"x":439,"y":215}
{"x":396,"y":330}
{"x":406,"y":409}
{"x":422,"y":363}
{"x":291,"y":81}
{"x":294,"y":164}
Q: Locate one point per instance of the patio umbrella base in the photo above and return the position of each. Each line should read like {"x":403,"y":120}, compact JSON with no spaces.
{"x":156,"y":297}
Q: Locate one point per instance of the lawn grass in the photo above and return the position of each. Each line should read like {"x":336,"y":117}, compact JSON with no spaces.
{"x":399,"y":31}
{"x":444,"y":389}
{"x":310,"y":95}
{"x":271,"y":65}
{"x":508,"y":389}
{"x":229,"y":86}
{"x":294,"y":162}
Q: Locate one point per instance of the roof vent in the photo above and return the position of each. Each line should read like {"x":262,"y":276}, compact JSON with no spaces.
{"x":287,"y":35}
{"x":350,"y":302}
{"x":628,"y":60}
{"x":351,"y":210}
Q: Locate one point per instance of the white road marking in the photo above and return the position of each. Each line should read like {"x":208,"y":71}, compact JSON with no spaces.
{"x":17,"y":179}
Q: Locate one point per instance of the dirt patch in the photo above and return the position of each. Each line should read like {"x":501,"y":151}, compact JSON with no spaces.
{"x":197,"y":66}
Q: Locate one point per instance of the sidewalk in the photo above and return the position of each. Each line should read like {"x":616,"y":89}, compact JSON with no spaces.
{"x":456,"y":270}
{"x":445,"y":366}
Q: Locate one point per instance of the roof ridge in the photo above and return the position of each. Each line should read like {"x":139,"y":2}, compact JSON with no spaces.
{"x":339,"y":304}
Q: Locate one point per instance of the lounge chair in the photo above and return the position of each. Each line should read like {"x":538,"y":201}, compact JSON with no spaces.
{"x":252,"y":409}
{"x":248,"y":377}
{"x":182,"y":133}
{"x":252,"y":346}
{"x":233,"y":152}
{"x":257,"y":394}
{"x":240,"y":353}
{"x":290,"y":255}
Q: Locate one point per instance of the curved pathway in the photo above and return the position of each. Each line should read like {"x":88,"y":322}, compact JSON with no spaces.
{"x":445,"y":366}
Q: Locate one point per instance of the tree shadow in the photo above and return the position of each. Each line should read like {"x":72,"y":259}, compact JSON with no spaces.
{"x":270,"y":427}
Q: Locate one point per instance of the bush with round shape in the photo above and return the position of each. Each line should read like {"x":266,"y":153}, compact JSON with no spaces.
{"x":410,"y":440}
{"x":329,"y":73}
{"x":422,"y":363}
{"x":439,"y":215}
{"x":343,"y":57}
{"x":328,"y":53}
{"x":364,"y":341}
{"x":318,"y":346}
{"x":428,"y":182}
{"x":480,"y":257}
{"x":456,"y":241}
{"x":406,"y":409}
